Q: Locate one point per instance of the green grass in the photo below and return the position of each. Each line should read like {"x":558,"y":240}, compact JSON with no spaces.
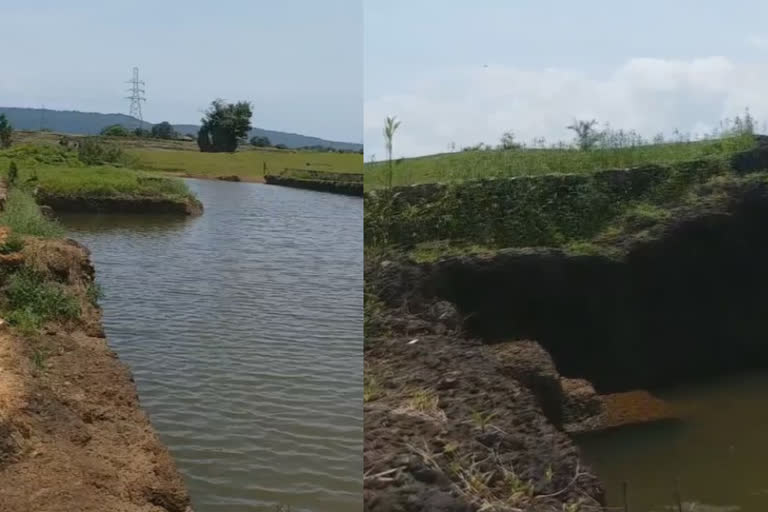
{"x":428,"y":252}
{"x":14,"y":243}
{"x":94,"y":293}
{"x":104,"y":181}
{"x":555,"y":210}
{"x":246,"y":164}
{"x":31,"y":301}
{"x":23,"y":216}
{"x":30,"y":156}
{"x":525,"y":162}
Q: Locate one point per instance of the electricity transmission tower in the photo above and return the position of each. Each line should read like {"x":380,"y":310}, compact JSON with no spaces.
{"x":137,"y":96}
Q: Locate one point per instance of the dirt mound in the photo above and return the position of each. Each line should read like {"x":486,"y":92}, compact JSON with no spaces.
{"x":72,"y":434}
{"x":448,"y":429}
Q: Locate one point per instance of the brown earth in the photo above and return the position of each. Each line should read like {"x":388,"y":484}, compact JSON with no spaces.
{"x":72,"y":434}
{"x":448,"y":429}
{"x":453,"y":423}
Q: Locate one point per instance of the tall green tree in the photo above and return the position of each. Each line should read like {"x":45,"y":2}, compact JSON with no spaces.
{"x":6,"y":130}
{"x":586,"y":134}
{"x":224,"y":126}
{"x":391,"y":124}
{"x":163,"y":130}
{"x":115,"y":130}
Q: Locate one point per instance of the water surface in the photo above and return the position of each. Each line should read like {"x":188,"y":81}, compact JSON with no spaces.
{"x":243,"y":329}
{"x":719,"y":452}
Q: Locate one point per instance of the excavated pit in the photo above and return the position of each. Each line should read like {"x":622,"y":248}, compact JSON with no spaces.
{"x":688,"y":303}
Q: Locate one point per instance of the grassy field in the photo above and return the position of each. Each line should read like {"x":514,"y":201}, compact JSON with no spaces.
{"x":249,"y":165}
{"x":467,"y":165}
{"x":184,"y":158}
{"x":59,"y":172}
{"x":104,"y":181}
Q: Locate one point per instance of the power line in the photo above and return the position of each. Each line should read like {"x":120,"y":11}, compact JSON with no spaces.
{"x":137,"y":96}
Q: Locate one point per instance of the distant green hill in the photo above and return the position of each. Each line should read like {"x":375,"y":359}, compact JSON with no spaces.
{"x":91,"y":123}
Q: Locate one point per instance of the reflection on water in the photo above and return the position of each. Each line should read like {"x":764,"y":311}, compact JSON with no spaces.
{"x":718,"y":452}
{"x":243,"y":328}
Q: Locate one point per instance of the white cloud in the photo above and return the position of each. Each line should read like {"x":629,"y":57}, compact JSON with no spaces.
{"x":467,"y":106}
{"x":758,"y":41}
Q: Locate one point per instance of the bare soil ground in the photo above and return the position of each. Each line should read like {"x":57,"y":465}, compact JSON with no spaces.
{"x":72,"y":434}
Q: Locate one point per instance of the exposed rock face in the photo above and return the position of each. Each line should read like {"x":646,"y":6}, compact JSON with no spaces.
{"x":73,"y":437}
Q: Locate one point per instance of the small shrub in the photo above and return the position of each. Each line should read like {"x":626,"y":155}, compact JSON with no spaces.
{"x":6,"y":131}
{"x":14,"y":243}
{"x":115,"y":130}
{"x":38,"y":358}
{"x":32,"y":300}
{"x":13,"y":173}
{"x":94,"y":293}
{"x":94,"y":152}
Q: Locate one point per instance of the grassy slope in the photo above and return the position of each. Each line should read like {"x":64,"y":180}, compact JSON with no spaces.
{"x":184,"y":157}
{"x":59,"y":172}
{"x":579,"y":212}
{"x":105,"y":181}
{"x":485,"y":164}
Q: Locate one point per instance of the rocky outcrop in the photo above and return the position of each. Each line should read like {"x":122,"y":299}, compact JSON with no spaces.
{"x":73,"y":437}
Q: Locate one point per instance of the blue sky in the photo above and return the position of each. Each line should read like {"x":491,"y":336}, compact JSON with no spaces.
{"x":653,"y":66}
{"x":298,"y":61}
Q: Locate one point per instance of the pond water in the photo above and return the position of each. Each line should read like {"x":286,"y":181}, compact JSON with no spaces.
{"x":243,"y":329}
{"x":718,"y":451}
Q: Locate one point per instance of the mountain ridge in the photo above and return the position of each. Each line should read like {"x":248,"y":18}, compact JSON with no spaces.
{"x":91,"y":123}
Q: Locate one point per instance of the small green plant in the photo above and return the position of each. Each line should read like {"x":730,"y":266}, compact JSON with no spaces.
{"x":38,"y":358}
{"x":516,"y":488}
{"x":391,"y":124}
{"x":371,"y":389}
{"x":32,"y":301}
{"x":482,"y":420}
{"x":94,"y":293}
{"x":6,"y":131}
{"x":13,"y":243}
{"x":13,"y":173}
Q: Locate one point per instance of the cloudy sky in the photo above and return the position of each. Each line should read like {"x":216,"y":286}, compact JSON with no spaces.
{"x":652,"y":66}
{"x":298,"y":61}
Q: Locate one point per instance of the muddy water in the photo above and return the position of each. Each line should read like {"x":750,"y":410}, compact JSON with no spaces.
{"x":718,"y":451}
{"x":243,"y":329}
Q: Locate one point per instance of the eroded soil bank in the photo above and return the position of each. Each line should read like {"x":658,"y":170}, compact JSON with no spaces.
{"x":72,"y":434}
{"x":479,"y":367}
{"x":336,"y":187}
{"x":186,"y":206}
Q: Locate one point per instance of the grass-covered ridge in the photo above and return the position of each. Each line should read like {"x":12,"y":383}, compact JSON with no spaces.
{"x":23,"y":216}
{"x":478,"y":164}
{"x":584,"y":213}
{"x":94,"y":170}
{"x":104,"y":181}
